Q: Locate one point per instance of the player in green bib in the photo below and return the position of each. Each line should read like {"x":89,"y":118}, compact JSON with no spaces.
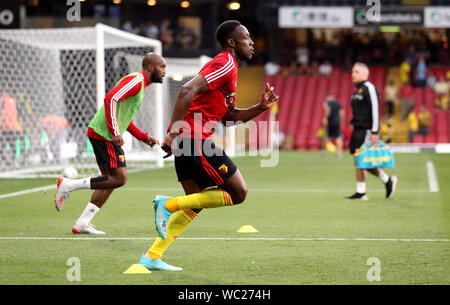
{"x":105,"y":134}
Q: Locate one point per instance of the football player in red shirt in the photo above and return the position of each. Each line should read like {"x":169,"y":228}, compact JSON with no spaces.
{"x":208,"y":176}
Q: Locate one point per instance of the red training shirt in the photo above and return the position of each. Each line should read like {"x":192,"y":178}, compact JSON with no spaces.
{"x":221,"y":75}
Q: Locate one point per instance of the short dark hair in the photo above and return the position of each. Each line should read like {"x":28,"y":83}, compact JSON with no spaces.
{"x":224,"y":30}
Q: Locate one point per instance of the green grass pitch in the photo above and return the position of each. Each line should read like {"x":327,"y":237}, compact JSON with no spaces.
{"x":307,"y":233}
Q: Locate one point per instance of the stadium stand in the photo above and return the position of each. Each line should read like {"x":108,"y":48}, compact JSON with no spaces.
{"x":302,"y":97}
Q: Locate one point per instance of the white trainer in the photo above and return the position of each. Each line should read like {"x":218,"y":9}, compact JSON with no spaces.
{"x":62,"y":193}
{"x":85,"y":228}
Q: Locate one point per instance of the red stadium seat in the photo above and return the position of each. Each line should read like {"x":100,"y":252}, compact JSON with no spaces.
{"x":304,"y":121}
{"x":418,"y":139}
{"x":448,"y":126}
{"x":430,"y":138}
{"x":419,"y":98}
{"x":312,"y":142}
{"x":286,"y":102}
{"x":441,"y":126}
{"x":297,"y":105}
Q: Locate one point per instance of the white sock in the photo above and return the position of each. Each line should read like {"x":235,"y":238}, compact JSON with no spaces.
{"x":79,"y":184}
{"x":88,"y":213}
{"x":361,"y":187}
{"x":383,"y":177}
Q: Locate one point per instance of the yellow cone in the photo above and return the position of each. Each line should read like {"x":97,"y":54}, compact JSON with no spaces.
{"x":247,"y":229}
{"x":137,"y":269}
{"x":330,"y":147}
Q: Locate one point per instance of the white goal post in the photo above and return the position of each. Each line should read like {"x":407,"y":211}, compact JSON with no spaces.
{"x":52,"y":82}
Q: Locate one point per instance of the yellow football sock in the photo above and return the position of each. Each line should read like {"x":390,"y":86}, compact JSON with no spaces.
{"x":177,"y":223}
{"x":211,"y":198}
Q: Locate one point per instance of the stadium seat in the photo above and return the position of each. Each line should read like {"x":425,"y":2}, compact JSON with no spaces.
{"x":448,"y":126}
{"x":346,"y":90}
{"x":419,"y":98}
{"x":378,"y":77}
{"x":335,"y":84}
{"x":429,"y":99}
{"x":286,"y":102}
{"x":430,"y":138}
{"x":304,"y":122}
{"x":418,"y":138}
{"x":297,"y":105}
{"x":313,"y":143}
{"x":441,"y":126}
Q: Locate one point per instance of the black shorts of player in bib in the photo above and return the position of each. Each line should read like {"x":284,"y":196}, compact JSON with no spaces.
{"x":108,"y":154}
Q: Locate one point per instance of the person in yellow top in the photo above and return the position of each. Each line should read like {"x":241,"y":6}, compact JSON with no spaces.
{"x":424,"y":121}
{"x":405,"y":69}
{"x":390,"y":96}
{"x":445,"y":102}
{"x":413,"y":125}
{"x":386,"y":130}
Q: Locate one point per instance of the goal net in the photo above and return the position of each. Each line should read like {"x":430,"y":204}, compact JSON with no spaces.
{"x":52,"y":82}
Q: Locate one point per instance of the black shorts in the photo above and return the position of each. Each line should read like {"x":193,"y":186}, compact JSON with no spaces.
{"x":108,"y":154}
{"x":333,"y":131}
{"x":203,"y":162}
{"x":359,"y":136}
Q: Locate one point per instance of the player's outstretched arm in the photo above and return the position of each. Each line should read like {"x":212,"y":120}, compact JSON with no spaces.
{"x":267,"y":101}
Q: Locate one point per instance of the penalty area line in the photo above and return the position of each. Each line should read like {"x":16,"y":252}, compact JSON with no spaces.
{"x":233,"y":239}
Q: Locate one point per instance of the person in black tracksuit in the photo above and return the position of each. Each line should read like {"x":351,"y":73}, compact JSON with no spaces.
{"x":366,"y":124}
{"x":332,"y":118}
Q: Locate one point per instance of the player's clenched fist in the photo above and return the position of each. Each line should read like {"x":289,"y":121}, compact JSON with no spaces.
{"x":151,"y":141}
{"x":166,"y":145}
{"x":268,"y":98}
{"x":117,"y":140}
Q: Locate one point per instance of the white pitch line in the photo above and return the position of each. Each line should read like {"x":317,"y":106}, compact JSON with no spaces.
{"x":33,"y":190}
{"x":234,"y":238}
{"x":268,"y":190}
{"x":174,"y":189}
{"x":432,"y":179}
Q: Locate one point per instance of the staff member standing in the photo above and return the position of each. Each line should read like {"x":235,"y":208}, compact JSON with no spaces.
{"x":366,"y":124}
